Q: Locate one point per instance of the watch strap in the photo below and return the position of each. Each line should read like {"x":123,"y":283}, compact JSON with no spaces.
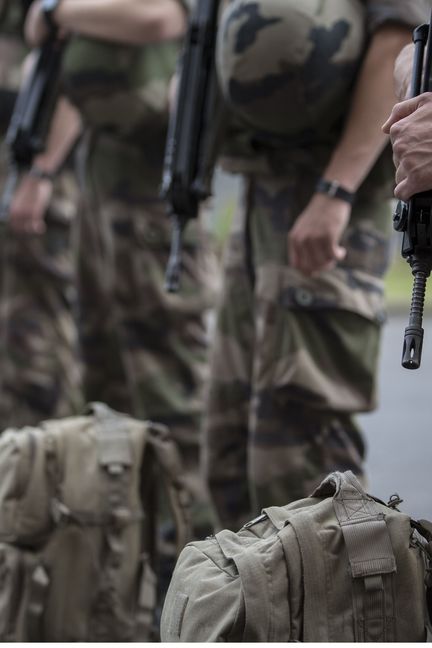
{"x":41,"y":174}
{"x":333,"y":189}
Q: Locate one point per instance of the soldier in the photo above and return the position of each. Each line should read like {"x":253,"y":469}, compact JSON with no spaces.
{"x":144,"y":349}
{"x":40,"y":375}
{"x":297,"y":340}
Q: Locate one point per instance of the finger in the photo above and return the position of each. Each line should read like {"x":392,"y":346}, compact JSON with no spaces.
{"x":403,"y":190}
{"x":400,"y":111}
{"x":328,"y":263}
{"x":314,"y":255}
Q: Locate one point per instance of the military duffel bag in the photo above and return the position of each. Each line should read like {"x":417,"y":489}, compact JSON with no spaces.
{"x":338,"y":566}
{"x":77,"y":528}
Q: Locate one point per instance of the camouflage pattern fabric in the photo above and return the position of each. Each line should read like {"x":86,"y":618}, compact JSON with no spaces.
{"x":145,"y":350}
{"x":294,"y":358}
{"x":40,"y":376}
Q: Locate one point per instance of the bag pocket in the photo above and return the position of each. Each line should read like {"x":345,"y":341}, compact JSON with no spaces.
{"x":24,"y":490}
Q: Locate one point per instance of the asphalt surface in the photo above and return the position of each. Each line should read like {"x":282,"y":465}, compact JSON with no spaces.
{"x":399,"y":433}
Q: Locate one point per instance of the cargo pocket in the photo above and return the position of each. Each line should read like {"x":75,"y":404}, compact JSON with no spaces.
{"x":317,"y":342}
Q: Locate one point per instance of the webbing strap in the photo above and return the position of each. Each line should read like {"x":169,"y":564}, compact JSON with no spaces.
{"x":114,"y":445}
{"x":256,"y":594}
{"x":315,"y":612}
{"x":370,"y":553}
{"x":146,"y":604}
{"x":172,"y":473}
{"x":114,"y":449}
{"x":36,"y":603}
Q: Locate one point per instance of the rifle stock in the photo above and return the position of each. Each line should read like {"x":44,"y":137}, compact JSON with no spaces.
{"x":194,"y":129}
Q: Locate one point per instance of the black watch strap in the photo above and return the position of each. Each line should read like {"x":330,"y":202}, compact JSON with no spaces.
{"x":335,"y":190}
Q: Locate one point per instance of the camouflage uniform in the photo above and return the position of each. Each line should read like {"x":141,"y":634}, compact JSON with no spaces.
{"x":144,"y":349}
{"x":294,"y":357}
{"x":40,"y":375}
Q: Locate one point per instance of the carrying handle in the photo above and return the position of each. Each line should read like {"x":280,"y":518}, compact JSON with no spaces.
{"x":340,"y":484}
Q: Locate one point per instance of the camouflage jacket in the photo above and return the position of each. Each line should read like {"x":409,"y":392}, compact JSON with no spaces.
{"x":122,"y":94}
{"x":302,"y":130}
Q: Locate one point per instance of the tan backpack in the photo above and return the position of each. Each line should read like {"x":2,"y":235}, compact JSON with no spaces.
{"x":338,"y":566}
{"x":77,"y":527}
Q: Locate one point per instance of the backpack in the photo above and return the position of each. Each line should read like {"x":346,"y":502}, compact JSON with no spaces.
{"x":338,"y":566}
{"x":77,"y":527}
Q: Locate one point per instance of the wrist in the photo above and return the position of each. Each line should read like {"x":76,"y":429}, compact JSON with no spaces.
{"x":39,"y":173}
{"x":335,"y":190}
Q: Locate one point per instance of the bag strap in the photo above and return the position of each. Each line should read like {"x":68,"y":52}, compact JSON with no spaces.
{"x":146,"y":602}
{"x":255,"y":587}
{"x":315,"y":612}
{"x":172,"y":477}
{"x":112,"y":433}
{"x":115,"y":457}
{"x":114,"y":450}
{"x":424,"y":528}
{"x":370,"y":554}
{"x":38,"y":584}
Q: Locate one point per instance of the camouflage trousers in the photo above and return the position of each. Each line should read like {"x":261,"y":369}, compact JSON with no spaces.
{"x":40,"y":366}
{"x":294,"y":358}
{"x":145,"y":350}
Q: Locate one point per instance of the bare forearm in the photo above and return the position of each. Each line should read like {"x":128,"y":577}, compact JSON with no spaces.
{"x":128,"y":21}
{"x":363,"y":140}
{"x":64,"y":132}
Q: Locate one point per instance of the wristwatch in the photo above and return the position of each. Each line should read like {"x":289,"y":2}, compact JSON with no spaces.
{"x":48,"y":9}
{"x":333,"y":189}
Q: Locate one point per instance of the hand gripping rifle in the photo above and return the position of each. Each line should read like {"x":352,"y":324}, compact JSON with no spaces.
{"x":414,"y":218}
{"x":193,"y":131}
{"x":31,"y":118}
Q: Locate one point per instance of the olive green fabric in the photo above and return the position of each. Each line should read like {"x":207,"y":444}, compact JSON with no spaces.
{"x":77,"y":524}
{"x":336,"y":567}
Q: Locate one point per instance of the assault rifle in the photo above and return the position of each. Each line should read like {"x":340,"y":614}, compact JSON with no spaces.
{"x":414,"y":218}
{"x":193,"y":131}
{"x":31,"y":118}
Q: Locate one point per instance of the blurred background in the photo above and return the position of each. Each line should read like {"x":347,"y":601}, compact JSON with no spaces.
{"x":399,"y":432}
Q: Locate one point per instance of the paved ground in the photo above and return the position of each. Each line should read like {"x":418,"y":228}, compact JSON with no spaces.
{"x":400,"y":432}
